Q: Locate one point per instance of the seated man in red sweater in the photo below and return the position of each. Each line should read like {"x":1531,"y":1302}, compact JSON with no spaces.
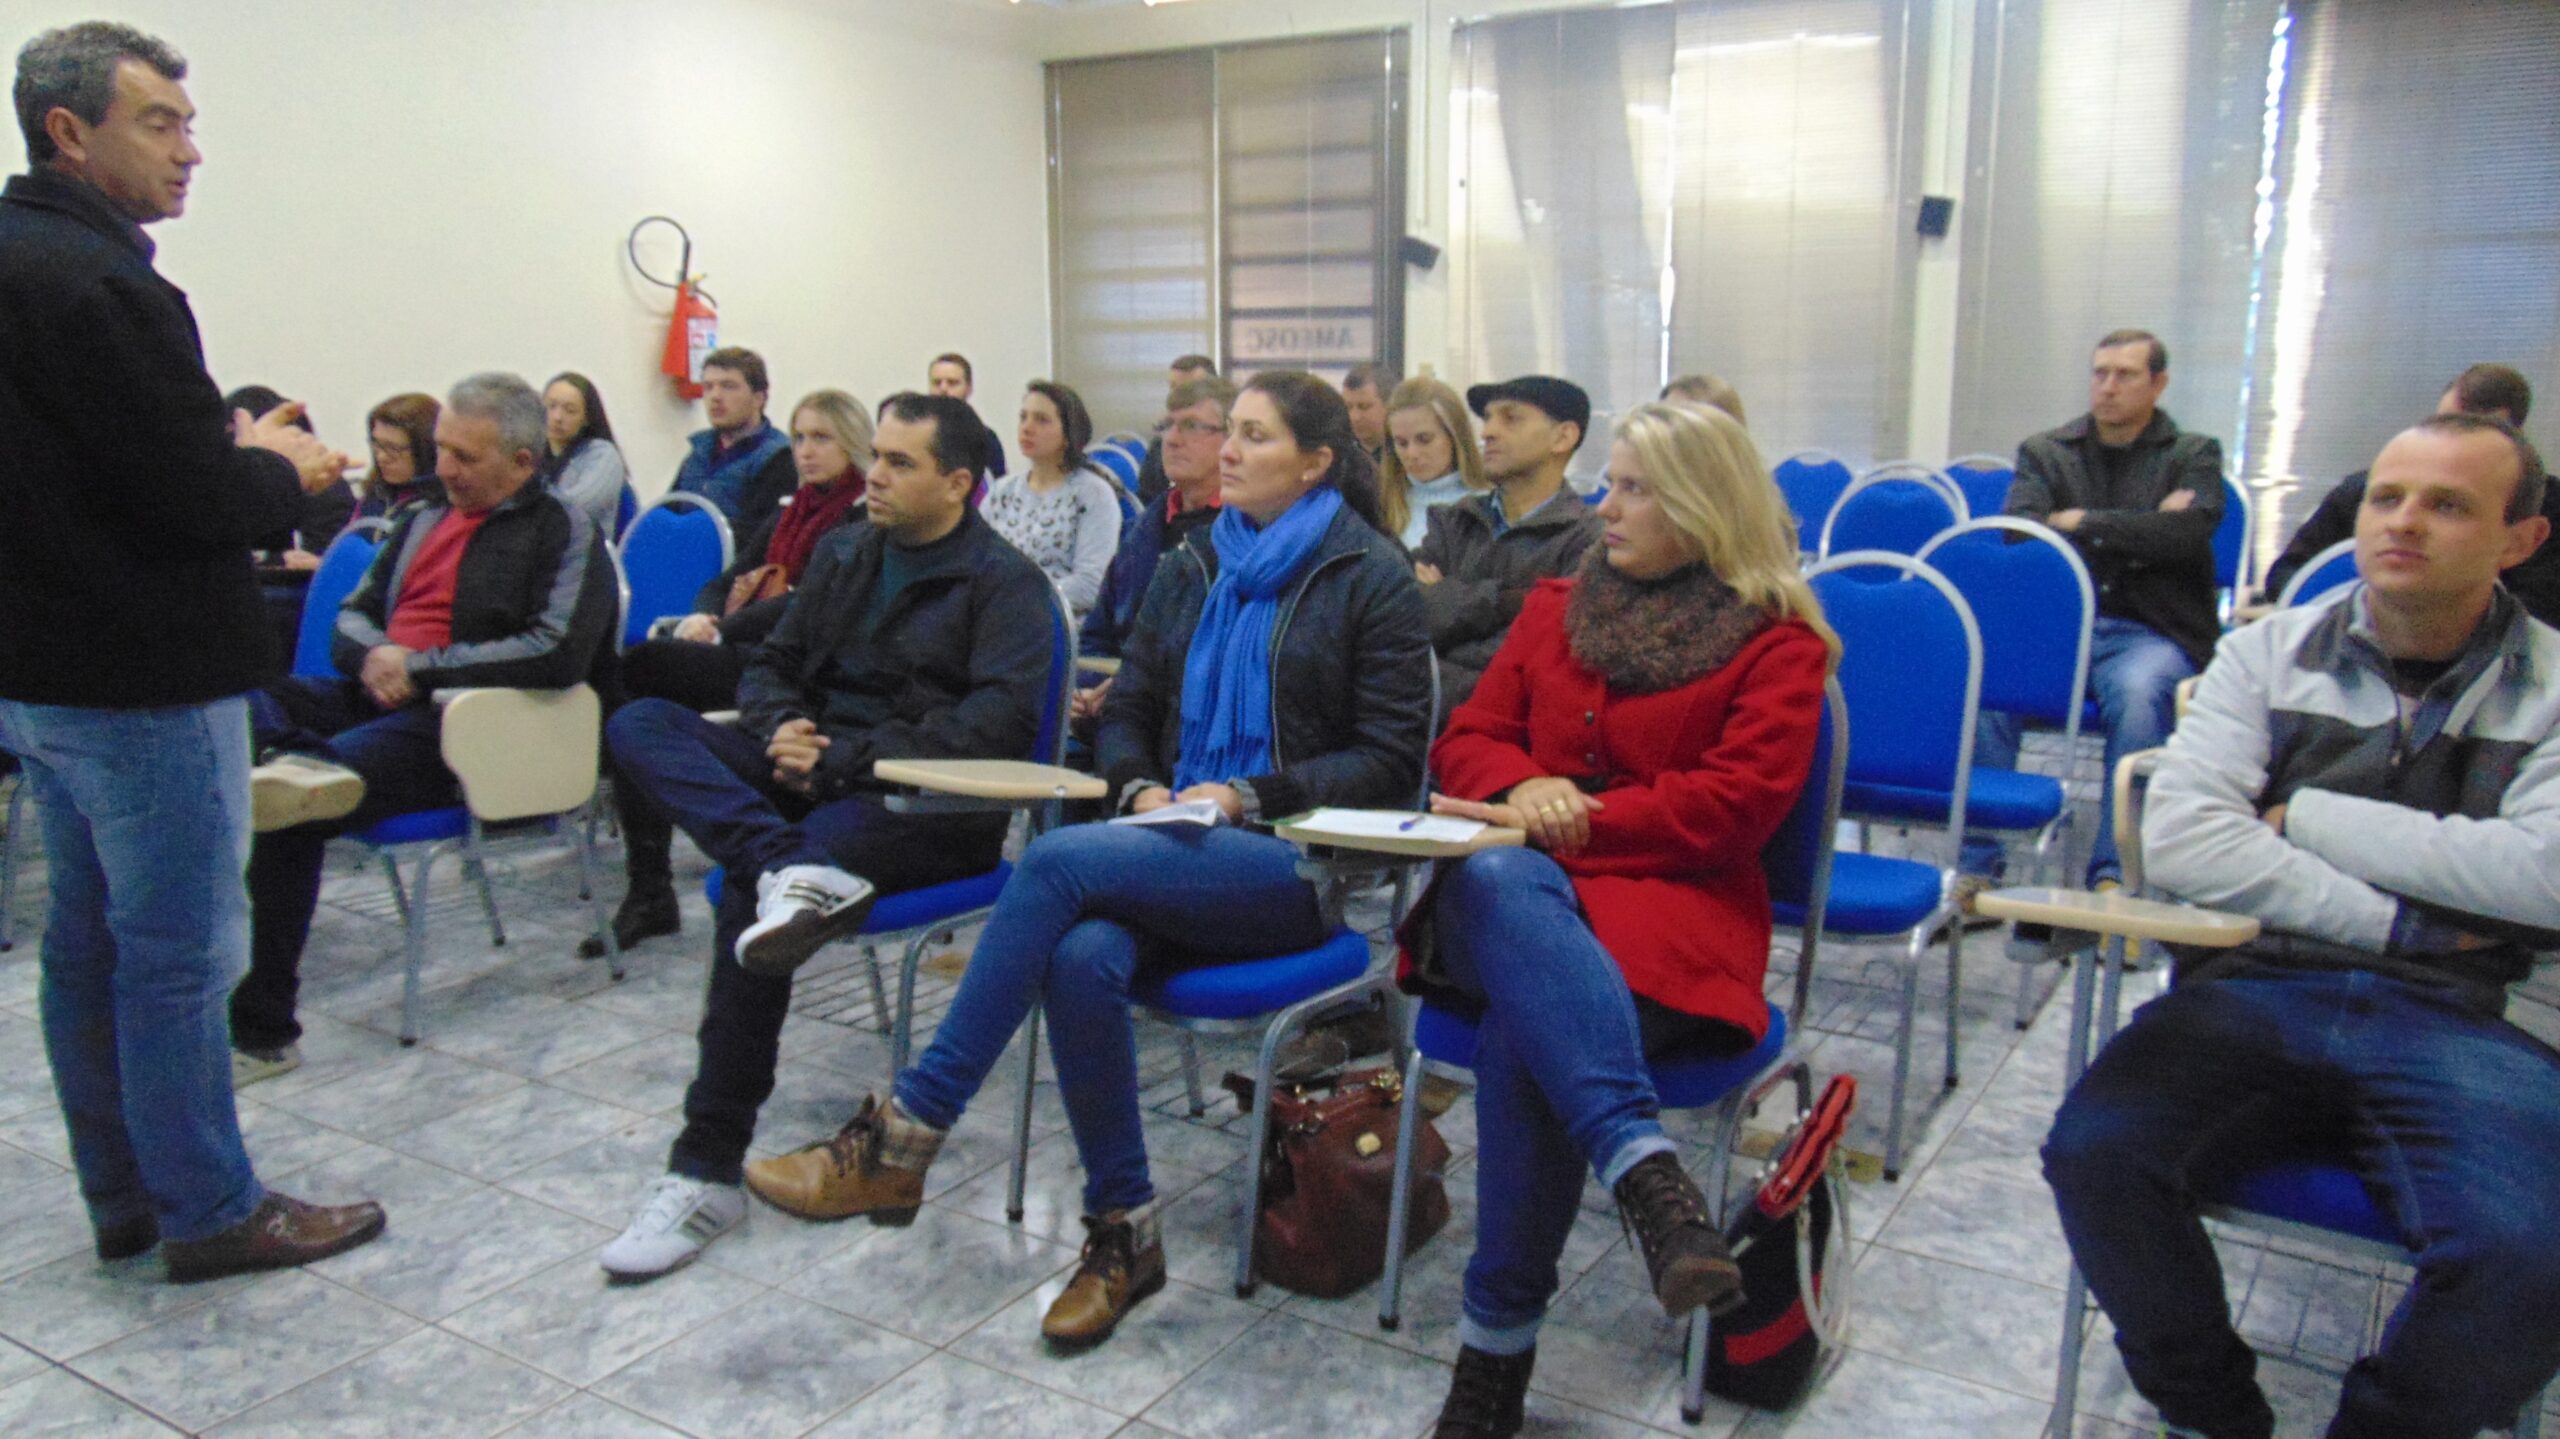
{"x":498,"y":584}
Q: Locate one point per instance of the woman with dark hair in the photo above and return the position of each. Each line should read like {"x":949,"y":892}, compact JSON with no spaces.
{"x":584,"y":467}
{"x":1281,"y":662}
{"x":402,"y":433}
{"x":1062,"y":512}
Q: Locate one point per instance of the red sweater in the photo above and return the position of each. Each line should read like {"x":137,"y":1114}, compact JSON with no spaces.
{"x":422,"y":613}
{"x":1693,"y":782}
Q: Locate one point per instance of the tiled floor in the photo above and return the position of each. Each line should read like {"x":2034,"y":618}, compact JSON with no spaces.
{"x":513,"y":1142}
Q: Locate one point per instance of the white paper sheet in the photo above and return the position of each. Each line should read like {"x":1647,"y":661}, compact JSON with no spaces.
{"x":1202,"y":812}
{"x":1391,"y":824}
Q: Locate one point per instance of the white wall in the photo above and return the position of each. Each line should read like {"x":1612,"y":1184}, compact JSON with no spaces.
{"x":397,"y":195}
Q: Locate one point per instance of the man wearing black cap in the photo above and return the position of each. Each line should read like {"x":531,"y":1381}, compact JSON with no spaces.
{"x":1481,"y":554}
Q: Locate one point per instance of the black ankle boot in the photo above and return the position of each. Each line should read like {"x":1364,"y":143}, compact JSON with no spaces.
{"x":1485,"y":1395}
{"x":645,"y":914}
{"x":1690,"y":1265}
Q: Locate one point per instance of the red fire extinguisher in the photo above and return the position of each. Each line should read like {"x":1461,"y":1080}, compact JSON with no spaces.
{"x":693,"y":331}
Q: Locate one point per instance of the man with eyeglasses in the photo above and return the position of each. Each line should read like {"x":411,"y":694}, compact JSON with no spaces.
{"x":1152,"y":483}
{"x":1193,"y":430}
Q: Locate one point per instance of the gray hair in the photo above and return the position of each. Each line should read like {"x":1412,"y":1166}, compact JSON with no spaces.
{"x":74,"y":69}
{"x":507,"y":399}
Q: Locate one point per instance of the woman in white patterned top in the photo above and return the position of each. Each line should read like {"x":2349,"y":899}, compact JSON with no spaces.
{"x":1062,"y":512}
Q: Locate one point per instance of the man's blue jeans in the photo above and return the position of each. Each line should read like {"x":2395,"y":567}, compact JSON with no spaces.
{"x":1561,"y":1085}
{"x":146,"y":831}
{"x":2451,"y":1117}
{"x":2133,"y":675}
{"x":1088,"y":907}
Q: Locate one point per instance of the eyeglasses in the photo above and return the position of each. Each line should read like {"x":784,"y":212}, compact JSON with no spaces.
{"x":1196,"y":428}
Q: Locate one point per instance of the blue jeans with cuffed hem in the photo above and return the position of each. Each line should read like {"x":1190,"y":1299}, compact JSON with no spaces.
{"x":1088,"y":910}
{"x":2133,"y":675}
{"x":2452,"y":1119}
{"x":146,"y":831}
{"x":1562,"y":1090}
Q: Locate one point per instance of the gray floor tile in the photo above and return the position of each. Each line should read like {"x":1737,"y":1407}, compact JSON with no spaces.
{"x":438,"y":1259}
{"x":1608,"y":1346}
{"x":1260,"y":1388}
{"x":603,"y":1179}
{"x":950,"y":1395}
{"x":396,"y":1094}
{"x":1156,"y":1347}
{"x":430,"y":1385}
{"x":77,"y":1302}
{"x":510,"y":1132}
{"x":1978,"y":1326}
{"x":934,"y":1280}
{"x":59,"y":1404}
{"x":569,"y":1322}
{"x":1984,"y":1219}
{"x":219,"y":1359}
{"x":1870,"y":1395}
{"x":281,"y":1143}
{"x":785,"y":1365}
{"x":537,"y":1037}
{"x":648,"y":1077}
{"x":18,"y":1362}
{"x":587,"y":1417}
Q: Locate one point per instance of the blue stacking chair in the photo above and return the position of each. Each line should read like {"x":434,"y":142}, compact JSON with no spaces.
{"x":1911,"y":674}
{"x":2231,"y":545}
{"x":342,"y":568}
{"x":625,"y":510}
{"x":1812,"y":482}
{"x":2303,"y":1199}
{"x":2033,"y":602}
{"x":2325,"y":571}
{"x":1898,"y":507}
{"x":675,"y":547}
{"x":1797,"y":860}
{"x":1117,"y":463}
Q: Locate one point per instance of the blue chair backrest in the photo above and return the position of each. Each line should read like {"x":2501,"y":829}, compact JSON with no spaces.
{"x":1812,"y":483}
{"x":2324,"y":572}
{"x":1049,"y":742}
{"x":625,"y":510}
{"x":1116,"y":462}
{"x":2231,"y":537}
{"x":1985,"y":480}
{"x":1797,"y":858}
{"x":2033,"y":604}
{"x":341,"y":569}
{"x":672,"y":550}
{"x":1899,"y":513}
{"x":1910,"y":669}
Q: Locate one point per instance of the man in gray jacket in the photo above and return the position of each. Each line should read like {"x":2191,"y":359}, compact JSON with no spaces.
{"x":1482,"y":554}
{"x":2376,"y":779}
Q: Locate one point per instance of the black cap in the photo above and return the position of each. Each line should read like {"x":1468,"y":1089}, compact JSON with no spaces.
{"x":1561,"y":399}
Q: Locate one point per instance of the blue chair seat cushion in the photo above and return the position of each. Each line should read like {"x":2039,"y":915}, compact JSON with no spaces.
{"x":1872,"y":894}
{"x":422,"y":827}
{"x":1446,"y":1036}
{"x":914,"y":908}
{"x":1997,"y":799}
{"x":2324,"y":1196}
{"x":1249,"y":988}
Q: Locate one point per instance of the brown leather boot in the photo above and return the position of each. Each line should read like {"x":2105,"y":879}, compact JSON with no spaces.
{"x":1123,"y":1262}
{"x":874,"y":1165}
{"x":280,"y":1233}
{"x":1691,"y":1268}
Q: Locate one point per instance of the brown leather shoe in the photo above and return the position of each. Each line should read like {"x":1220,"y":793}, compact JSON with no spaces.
{"x":874,"y":1165}
{"x":280,"y":1233}
{"x":1123,"y":1262}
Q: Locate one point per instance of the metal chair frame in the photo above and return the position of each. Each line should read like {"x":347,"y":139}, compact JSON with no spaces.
{"x":1900,"y":472}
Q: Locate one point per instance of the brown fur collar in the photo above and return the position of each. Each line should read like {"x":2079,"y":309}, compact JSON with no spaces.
{"x":1646,"y":636}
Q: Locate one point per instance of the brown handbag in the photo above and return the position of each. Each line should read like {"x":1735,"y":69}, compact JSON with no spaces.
{"x":764,"y":582}
{"x":1328,"y":1176}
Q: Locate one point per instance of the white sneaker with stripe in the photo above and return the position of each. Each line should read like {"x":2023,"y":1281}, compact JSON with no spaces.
{"x":678,"y":1219}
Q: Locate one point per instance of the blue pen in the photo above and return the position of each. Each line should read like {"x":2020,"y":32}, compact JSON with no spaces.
{"x":1409,"y":824}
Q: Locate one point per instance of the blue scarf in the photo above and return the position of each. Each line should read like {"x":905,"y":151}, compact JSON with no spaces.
{"x":1226,"y":681}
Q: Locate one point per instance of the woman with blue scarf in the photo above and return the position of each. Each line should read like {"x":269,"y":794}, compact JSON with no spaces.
{"x":1280,"y":661}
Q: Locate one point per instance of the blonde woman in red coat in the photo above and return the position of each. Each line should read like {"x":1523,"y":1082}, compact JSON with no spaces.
{"x":1648,"y":723}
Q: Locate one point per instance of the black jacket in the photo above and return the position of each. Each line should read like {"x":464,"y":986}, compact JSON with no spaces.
{"x":957,"y":669}
{"x":1350,"y":684}
{"x":2536,"y":581}
{"x":753,"y":622}
{"x":125,"y":578}
{"x":534,"y":599}
{"x":2152,"y":567}
{"x":1486,"y":574}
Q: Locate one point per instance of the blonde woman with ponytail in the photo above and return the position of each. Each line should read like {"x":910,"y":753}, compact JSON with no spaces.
{"x":1648,"y":722}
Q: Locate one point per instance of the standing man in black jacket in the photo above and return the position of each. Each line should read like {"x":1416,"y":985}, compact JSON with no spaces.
{"x":919,"y":635}
{"x":2139,"y":499}
{"x":130,"y":626}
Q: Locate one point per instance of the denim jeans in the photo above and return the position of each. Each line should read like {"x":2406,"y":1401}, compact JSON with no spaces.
{"x":2133,"y":675}
{"x":699,"y":677}
{"x":146,"y":830}
{"x":717,"y":785}
{"x":1088,"y":908}
{"x":401,"y":757}
{"x":2451,"y":1117}
{"x":1562,"y":1090}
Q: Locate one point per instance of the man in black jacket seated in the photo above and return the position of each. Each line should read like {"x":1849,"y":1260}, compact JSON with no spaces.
{"x":920,"y":635}
{"x":2496,"y":391}
{"x":501,"y":584}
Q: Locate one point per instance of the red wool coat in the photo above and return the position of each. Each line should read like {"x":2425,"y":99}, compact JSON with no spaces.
{"x":1692,"y":780}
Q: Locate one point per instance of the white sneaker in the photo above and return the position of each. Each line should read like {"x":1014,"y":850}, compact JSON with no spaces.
{"x":248,"y":1068}
{"x":678,"y":1219}
{"x":292,"y":789}
{"x":800,"y":909}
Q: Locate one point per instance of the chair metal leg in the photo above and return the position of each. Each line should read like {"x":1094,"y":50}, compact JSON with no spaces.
{"x":1022,"y":1120}
{"x":1399,"y":1193}
{"x":903,"y":1022}
{"x":1693,"y":1371}
{"x":410,"y":984}
{"x":1903,"y":1035}
{"x":582,"y":839}
{"x":399,"y":894}
{"x":488,"y":896}
{"x":585,"y":826}
{"x":881,"y":1020}
{"x":1955,"y":992}
{"x":2066,"y":1384}
{"x":1191,"y":1074}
